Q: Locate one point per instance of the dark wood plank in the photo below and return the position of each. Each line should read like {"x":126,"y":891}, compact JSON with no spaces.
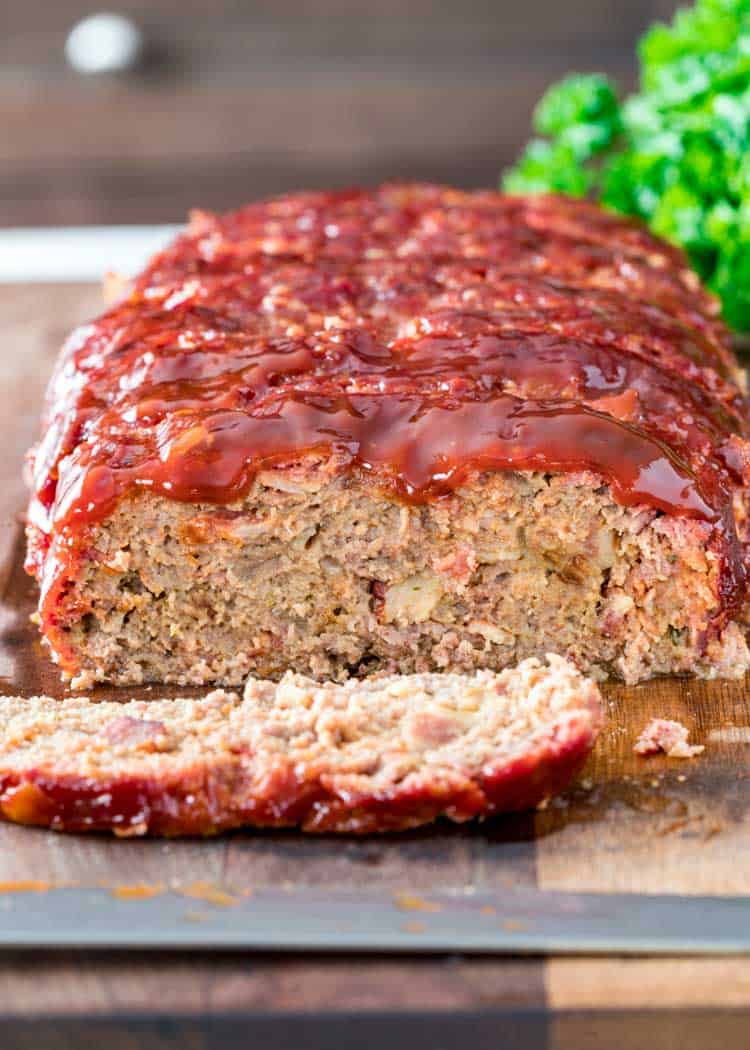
{"x":448,"y":1030}
{"x":41,"y":984}
{"x":227,"y":40}
{"x":270,"y":117}
{"x":67,"y":158}
{"x":682,"y":1029}
{"x":240,"y":101}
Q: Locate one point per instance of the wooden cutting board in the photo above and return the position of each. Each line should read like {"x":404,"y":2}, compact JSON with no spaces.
{"x":629,"y":824}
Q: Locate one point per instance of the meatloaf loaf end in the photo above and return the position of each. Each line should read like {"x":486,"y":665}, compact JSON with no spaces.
{"x":376,"y":755}
{"x":409,"y":429}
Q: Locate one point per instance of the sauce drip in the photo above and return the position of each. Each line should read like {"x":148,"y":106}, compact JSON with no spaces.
{"x":419,"y":448}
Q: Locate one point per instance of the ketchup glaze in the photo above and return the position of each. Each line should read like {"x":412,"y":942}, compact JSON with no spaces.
{"x":416,"y":335}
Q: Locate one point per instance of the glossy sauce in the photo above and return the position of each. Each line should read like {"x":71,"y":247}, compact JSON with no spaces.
{"x":415,"y":335}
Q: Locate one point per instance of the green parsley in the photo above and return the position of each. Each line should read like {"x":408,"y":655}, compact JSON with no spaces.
{"x":676,"y":153}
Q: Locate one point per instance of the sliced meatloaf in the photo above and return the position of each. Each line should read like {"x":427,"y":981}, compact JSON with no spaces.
{"x":378,"y":755}
{"x":409,"y":429}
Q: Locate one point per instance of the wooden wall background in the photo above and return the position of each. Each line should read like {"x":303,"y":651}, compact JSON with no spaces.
{"x":242,"y":99}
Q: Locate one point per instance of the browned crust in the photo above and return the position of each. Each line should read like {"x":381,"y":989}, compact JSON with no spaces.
{"x":211,"y":790}
{"x":206,"y":800}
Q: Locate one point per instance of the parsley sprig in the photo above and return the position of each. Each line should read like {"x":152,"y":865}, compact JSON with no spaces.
{"x":676,"y":153}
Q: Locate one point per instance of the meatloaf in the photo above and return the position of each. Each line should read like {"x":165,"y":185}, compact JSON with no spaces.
{"x":410,"y":429}
{"x":378,"y":755}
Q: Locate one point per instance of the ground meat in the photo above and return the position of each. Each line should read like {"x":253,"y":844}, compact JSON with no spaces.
{"x":407,"y":429}
{"x":379,"y":755}
{"x":661,"y":734}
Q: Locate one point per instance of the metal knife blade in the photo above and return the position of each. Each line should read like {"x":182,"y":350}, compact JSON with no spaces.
{"x":313,"y":919}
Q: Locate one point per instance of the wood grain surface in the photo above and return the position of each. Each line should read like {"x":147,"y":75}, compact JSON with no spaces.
{"x":631,"y":824}
{"x":237,"y":100}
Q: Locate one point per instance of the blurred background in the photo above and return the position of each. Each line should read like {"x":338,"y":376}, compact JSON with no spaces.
{"x":215,"y":102}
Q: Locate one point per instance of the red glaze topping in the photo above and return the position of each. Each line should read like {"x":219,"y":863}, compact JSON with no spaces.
{"x":205,"y":799}
{"x":417,"y":334}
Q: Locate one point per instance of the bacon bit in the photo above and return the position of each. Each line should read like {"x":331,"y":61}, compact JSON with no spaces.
{"x":407,"y":902}
{"x":133,"y":731}
{"x":138,"y":891}
{"x":458,"y":565}
{"x":427,"y":729}
{"x":661,"y":734}
{"x":378,"y":592}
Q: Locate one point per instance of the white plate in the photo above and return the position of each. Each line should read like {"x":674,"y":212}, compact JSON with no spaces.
{"x":78,"y":253}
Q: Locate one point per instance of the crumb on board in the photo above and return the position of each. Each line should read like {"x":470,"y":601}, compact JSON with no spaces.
{"x":662,"y":734}
{"x":207,"y":891}
{"x":409,"y":902}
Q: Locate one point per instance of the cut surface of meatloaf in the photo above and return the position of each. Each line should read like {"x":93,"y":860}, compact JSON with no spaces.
{"x":407,"y":429}
{"x":376,"y":755}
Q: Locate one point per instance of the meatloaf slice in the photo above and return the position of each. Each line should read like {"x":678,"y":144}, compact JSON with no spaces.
{"x":379,"y":755}
{"x":409,"y":429}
